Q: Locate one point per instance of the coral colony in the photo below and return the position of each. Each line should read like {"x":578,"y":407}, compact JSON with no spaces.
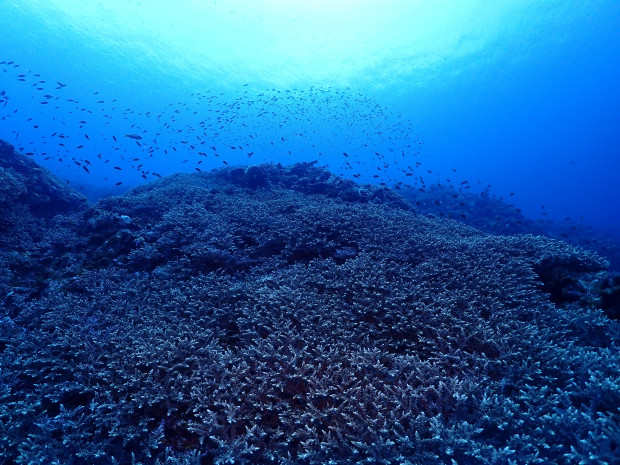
{"x":271,"y":314}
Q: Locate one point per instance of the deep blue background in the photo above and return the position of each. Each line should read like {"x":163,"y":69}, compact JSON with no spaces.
{"x":523,"y":95}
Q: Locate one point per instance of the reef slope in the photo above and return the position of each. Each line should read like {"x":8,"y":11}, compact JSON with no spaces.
{"x":271,"y":314}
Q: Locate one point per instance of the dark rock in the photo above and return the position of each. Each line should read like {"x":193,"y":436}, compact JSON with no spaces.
{"x":610,"y":296}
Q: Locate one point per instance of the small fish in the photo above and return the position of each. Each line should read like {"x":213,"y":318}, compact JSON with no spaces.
{"x":133,"y":136}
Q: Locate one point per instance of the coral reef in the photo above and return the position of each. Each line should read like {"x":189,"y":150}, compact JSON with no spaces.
{"x":281,"y":315}
{"x":496,"y":216}
{"x":29,"y":193}
{"x":30,"y":198}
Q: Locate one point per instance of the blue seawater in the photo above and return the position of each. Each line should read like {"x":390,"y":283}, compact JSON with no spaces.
{"x":520,"y":95}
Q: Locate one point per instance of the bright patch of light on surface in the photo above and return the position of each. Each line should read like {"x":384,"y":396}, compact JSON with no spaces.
{"x":284,"y":42}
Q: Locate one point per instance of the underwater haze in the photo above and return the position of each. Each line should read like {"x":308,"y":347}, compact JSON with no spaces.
{"x":520,"y":95}
{"x":278,"y":232}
